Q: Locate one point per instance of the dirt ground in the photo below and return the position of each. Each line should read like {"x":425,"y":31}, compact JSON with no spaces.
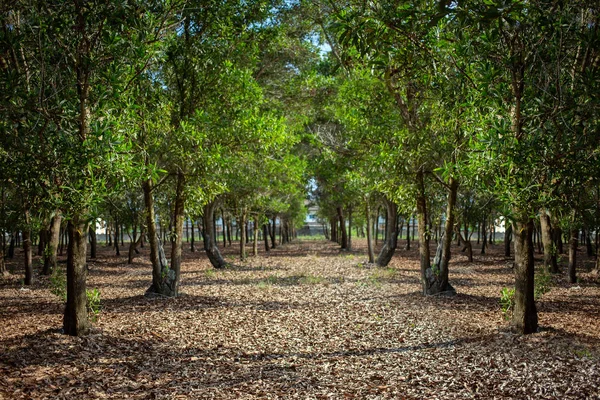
{"x":306,"y":321}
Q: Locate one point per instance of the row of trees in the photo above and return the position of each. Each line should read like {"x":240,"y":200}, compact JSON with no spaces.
{"x":463,"y":112}
{"x":139,"y":111}
{"x":457,"y":112}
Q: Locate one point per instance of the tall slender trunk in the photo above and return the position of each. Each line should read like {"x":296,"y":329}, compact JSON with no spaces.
{"x":525,"y":318}
{"x":210,"y":244}
{"x":422,"y":221}
{"x":573,"y":244}
{"x":224,"y":229}
{"x":93,"y":239}
{"x":192,"y":242}
{"x":117,"y":238}
{"x":484,"y":231}
{"x":27,"y":249}
{"x":435,"y":280}
{"x":342,"y":222}
{"x":350,"y":228}
{"x":507,"y":240}
{"x":43,"y":239}
{"x":255,"y":228}
{"x":550,"y":261}
{"x":266,"y":236}
{"x":133,"y":247}
{"x":177,"y":238}
{"x":390,"y":244}
{"x":272,"y":233}
{"x":369,"y":233}
{"x":243,"y":232}
{"x":75,"y":321}
{"x":408,"y":232}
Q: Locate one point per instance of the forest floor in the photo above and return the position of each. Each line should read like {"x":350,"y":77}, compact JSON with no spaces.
{"x":306,"y":321}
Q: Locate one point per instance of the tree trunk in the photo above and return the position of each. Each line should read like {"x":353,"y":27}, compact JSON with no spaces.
{"x":43,"y":239}
{"x":255,"y":228}
{"x":243,"y":232}
{"x":573,"y":243}
{"x":422,"y":216}
{"x":588,"y":244}
{"x":266,"y":236}
{"x":161,"y":273}
{"x":117,"y":238}
{"x":94,"y":240}
{"x":350,"y":228}
{"x":75,"y":321}
{"x":210,"y":245}
{"x":408,"y":233}
{"x":484,"y":230}
{"x":224,"y":229}
{"x":550,"y":261}
{"x":507,"y":239}
{"x":27,"y":249}
{"x":3,"y":271}
{"x":389,"y":246}
{"x":177,"y":238}
{"x":558,"y":240}
{"x":370,"y":249}
{"x":343,"y":232}
{"x":524,"y":318}
{"x":435,"y":279}
{"x":272,"y":232}
{"x":133,"y":248}
{"x":51,"y":250}
{"x":192,"y":242}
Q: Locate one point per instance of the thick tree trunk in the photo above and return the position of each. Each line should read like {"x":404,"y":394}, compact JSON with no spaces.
{"x":423,"y":234}
{"x":344,"y":233}
{"x":210,"y":245}
{"x":550,"y":261}
{"x":27,"y":249}
{"x":389,"y":246}
{"x":573,"y":244}
{"x":435,"y":280}
{"x":3,"y":271}
{"x":272,"y":232}
{"x":51,"y":250}
{"x":370,"y":249}
{"x":161,"y":274}
{"x":525,"y":318}
{"x":266,"y":236}
{"x":75,"y":321}
{"x":507,"y":239}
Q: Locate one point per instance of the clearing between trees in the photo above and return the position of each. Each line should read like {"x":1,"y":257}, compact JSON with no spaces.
{"x":304,"y":321}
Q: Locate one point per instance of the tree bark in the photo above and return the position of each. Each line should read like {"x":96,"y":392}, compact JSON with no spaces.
{"x":524,"y":318}
{"x":133,"y":247}
{"x":435,"y":280}
{"x":243,"y":232}
{"x":369,"y":233}
{"x":507,"y":239}
{"x":161,"y":273}
{"x":344,"y":233}
{"x":51,"y":250}
{"x":177,"y":238}
{"x":27,"y":249}
{"x":75,"y":320}
{"x":272,"y":232}
{"x":422,"y":217}
{"x":349,"y":243}
{"x":550,"y":261}
{"x":484,"y":231}
{"x":390,"y":244}
{"x":255,"y":228}
{"x":117,"y":238}
{"x":93,"y":241}
{"x":210,"y":245}
{"x":573,"y":243}
{"x":192,"y":242}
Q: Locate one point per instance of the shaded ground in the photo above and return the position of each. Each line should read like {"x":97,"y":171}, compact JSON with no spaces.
{"x":306,"y":321}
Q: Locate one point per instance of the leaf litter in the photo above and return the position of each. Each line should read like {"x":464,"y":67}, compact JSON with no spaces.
{"x":304,"y":321}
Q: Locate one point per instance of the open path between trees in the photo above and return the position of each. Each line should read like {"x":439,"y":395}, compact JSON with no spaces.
{"x":305,"y":321}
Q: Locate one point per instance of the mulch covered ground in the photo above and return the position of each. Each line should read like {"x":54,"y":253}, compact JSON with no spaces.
{"x":305,"y":321}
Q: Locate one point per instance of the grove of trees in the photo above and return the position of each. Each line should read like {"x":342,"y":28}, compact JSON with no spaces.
{"x":149,"y":115}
